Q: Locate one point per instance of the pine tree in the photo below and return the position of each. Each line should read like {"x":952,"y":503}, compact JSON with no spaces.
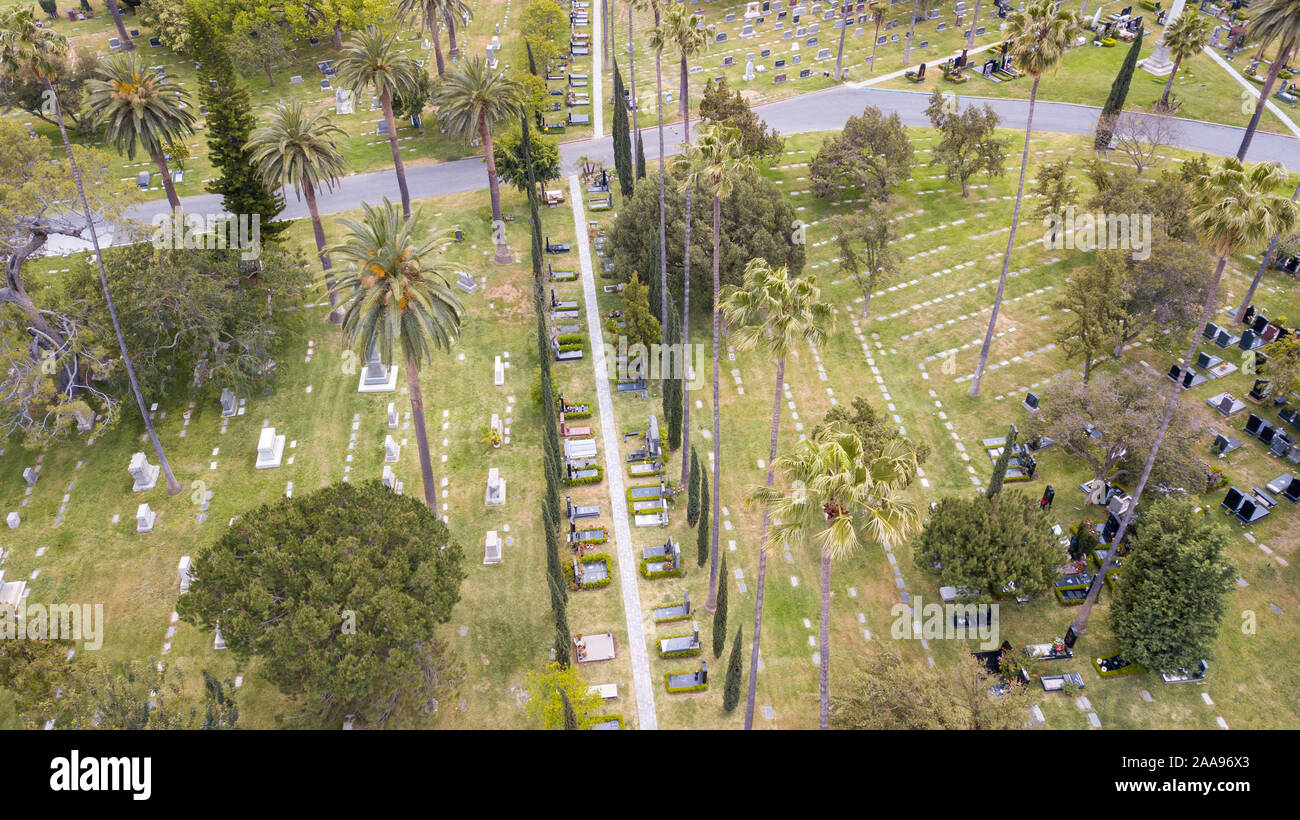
{"x":1000,"y":467}
{"x":720,"y":614}
{"x":622,"y":139}
{"x":703,"y":534}
{"x":693,"y":492}
{"x":1118,"y":94}
{"x":731,"y":691}
{"x":230,"y":122}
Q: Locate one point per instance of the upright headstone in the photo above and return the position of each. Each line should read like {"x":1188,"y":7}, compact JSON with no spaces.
{"x":144,"y":519}
{"x":144,"y":473}
{"x":85,"y":418}
{"x":186,"y":571}
{"x":229,"y":404}
{"x":377,"y":377}
{"x":498,"y":373}
{"x":30,"y":475}
{"x":749,"y":68}
{"x":13,"y":520}
{"x":270,"y":449}
{"x":496,"y":489}
{"x":389,"y":478}
{"x":392,"y":450}
{"x":392,"y":416}
{"x":492,"y":548}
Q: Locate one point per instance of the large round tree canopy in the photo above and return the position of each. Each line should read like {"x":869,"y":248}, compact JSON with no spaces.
{"x":338,"y":594}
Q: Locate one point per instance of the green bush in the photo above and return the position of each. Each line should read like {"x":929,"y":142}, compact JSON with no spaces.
{"x":592,"y":558}
{"x":699,"y":687}
{"x":681,"y":617}
{"x":570,"y":338}
{"x":565,"y":348}
{"x":646,"y":572}
{"x":1060,"y":598}
{"x":595,"y":479}
{"x":595,"y":719}
{"x":680,"y":653}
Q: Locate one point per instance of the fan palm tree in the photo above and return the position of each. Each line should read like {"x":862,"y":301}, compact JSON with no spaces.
{"x":122,"y":35}
{"x":839,"y":496}
{"x":455,"y":13}
{"x":401,"y":303}
{"x":302,"y":149}
{"x":471,"y":100}
{"x":428,"y":12}
{"x":844,"y":29}
{"x":1235,"y":207}
{"x":1186,"y":37}
{"x":715,"y":162}
{"x":877,"y":17}
{"x":138,"y":107}
{"x":771,"y":312}
{"x":1276,"y":22}
{"x":371,"y":59}
{"x":1039,"y":36}
{"x":658,"y":42}
{"x":36,"y":50}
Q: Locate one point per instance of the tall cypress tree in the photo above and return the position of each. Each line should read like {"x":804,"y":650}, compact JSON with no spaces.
{"x":570,"y":719}
{"x":693,"y":491}
{"x":672,"y":392}
{"x":1000,"y":466}
{"x":230,"y":122}
{"x":731,"y":691}
{"x":1118,"y":94}
{"x":640,"y":157}
{"x":563,"y":637}
{"x":720,"y":614}
{"x":622,"y":140}
{"x":703,"y":534}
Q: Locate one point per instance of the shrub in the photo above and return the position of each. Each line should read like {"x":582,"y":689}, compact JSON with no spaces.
{"x":598,"y":719}
{"x":681,"y":617}
{"x":571,"y":338}
{"x":699,"y":687}
{"x":646,"y":572}
{"x":593,"y":479}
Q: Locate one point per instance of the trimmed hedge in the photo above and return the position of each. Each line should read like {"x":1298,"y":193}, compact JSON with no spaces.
{"x":1060,"y":598}
{"x":598,"y":719}
{"x":699,"y":687}
{"x":594,"y":558}
{"x":669,"y":620}
{"x":679,"y":653}
{"x":578,"y":414}
{"x":565,"y":348}
{"x":665,"y":573}
{"x":593,"y":479}
{"x":570,"y":338}
{"x":603,"y":539}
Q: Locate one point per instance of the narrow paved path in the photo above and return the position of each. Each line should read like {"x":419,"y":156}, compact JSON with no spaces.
{"x":627,"y":564}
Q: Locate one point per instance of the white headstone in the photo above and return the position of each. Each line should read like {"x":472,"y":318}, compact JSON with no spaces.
{"x":392,"y":416}
{"x":389,"y":478}
{"x":492,"y":548}
{"x":392,"y":450}
{"x":496,"y":489}
{"x":345,"y":101}
{"x":144,"y":473}
{"x":749,"y":68}
{"x":185,"y":569}
{"x":219,"y":642}
{"x":229,"y":405}
{"x":30,"y":475}
{"x":499,"y":373}
{"x":144,"y":518}
{"x":377,"y":377}
{"x":270,"y":449}
{"x":13,"y":520}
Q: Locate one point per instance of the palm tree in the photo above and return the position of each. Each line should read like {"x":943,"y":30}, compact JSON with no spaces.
{"x":1277,"y":22}
{"x":1039,"y":36}
{"x":401,"y":303}
{"x":1235,"y":207}
{"x":844,"y":29}
{"x":471,"y":100}
{"x":1186,"y":37}
{"x":122,"y":35}
{"x":840,"y":495}
{"x":658,"y":42}
{"x":428,"y":12}
{"x":26,"y":47}
{"x":138,"y":107}
{"x":302,"y":149}
{"x":975,"y":21}
{"x":877,"y":17}
{"x":452,"y":11}
{"x":631,"y":74}
{"x":371,"y":59}
{"x":1240,"y":315}
{"x":771,"y":312}
{"x":921,"y":7}
{"x":715,"y":161}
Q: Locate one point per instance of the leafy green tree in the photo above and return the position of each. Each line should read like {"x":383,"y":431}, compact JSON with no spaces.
{"x":999,"y":545}
{"x":735,"y":671}
{"x":166,"y":19}
{"x":720,"y":614}
{"x":640,"y":157}
{"x":264,"y":46}
{"x":1094,"y":304}
{"x":1000,"y":466}
{"x":137,"y":107}
{"x":1172,"y":595}
{"x":472,"y":100}
{"x":545,"y":28}
{"x":702,"y":531}
{"x":331,"y":18}
{"x":693,"y":491}
{"x":561,"y":698}
{"x":1284,"y":364}
{"x":339,"y":594}
{"x":509,"y":157}
{"x":401,"y":303}
{"x":1114,"y":104}
{"x":642,"y":326}
{"x":1055,"y":192}
{"x":134,"y":695}
{"x":968,"y":142}
{"x":872,"y":155}
{"x":68,"y":73}
{"x":410,"y":103}
{"x":875,"y":429}
{"x":875,"y":263}
{"x":722,"y":104}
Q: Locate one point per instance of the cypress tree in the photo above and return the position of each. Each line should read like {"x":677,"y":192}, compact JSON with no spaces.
{"x":693,"y":491}
{"x":1000,"y":467}
{"x":720,"y":614}
{"x":554,"y":572}
{"x":563,"y":637}
{"x":1118,"y":94}
{"x":702,"y":539}
{"x":570,"y":719}
{"x":731,"y":691}
{"x":534,"y":211}
{"x":230,"y":122}
{"x":640,"y":157}
{"x":622,"y":140}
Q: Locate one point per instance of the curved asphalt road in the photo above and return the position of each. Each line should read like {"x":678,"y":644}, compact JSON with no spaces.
{"x":818,"y":111}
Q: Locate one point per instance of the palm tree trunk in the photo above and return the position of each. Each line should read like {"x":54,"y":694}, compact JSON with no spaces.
{"x":386,"y":100}
{"x":173,"y":486}
{"x":1259,"y":274}
{"x":874,"y":44}
{"x":502,"y":255}
{"x":454,"y":49}
{"x":866,"y":301}
{"x":161,"y":162}
{"x":762,"y":547}
{"x":1011,"y":240}
{"x":970,"y":41}
{"x":437,"y":44}
{"x":712,"y":603}
{"x":911,"y":32}
{"x":631,"y":74}
{"x":683,"y":105}
{"x":1169,"y":85}
{"x":1081,"y":621}
{"x":421,"y":435}
{"x":318,"y":229}
{"x":122,"y":34}
{"x":1273,"y":71}
{"x":663,"y":233}
{"x":824,"y":648}
{"x":686,"y":323}
{"x":839,"y":56}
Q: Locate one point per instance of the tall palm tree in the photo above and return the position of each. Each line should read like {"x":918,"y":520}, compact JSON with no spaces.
{"x":658,"y":43}
{"x":771,"y":312}
{"x":401,"y":303}
{"x":471,"y":100}
{"x":1039,"y":36}
{"x":302,"y":149}
{"x":455,"y":13}
{"x":1185,"y":38}
{"x":631,"y":74}
{"x":428,"y":12}
{"x":715,"y":162}
{"x":138,"y":107}
{"x":921,"y":7}
{"x":372,"y":59}
{"x":975,"y":20}
{"x":1240,"y":315}
{"x":1235,"y":207}
{"x":1276,"y":22}
{"x":839,"y":496}
{"x":877,"y":17}
{"x":122,"y":35}
{"x":844,"y":29}
{"x":28,"y":48}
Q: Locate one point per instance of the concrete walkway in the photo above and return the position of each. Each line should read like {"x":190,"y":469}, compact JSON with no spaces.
{"x":1253,"y":91}
{"x":627,"y":563}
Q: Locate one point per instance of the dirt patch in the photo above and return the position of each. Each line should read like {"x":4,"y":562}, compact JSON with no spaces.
{"x":511,"y":301}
